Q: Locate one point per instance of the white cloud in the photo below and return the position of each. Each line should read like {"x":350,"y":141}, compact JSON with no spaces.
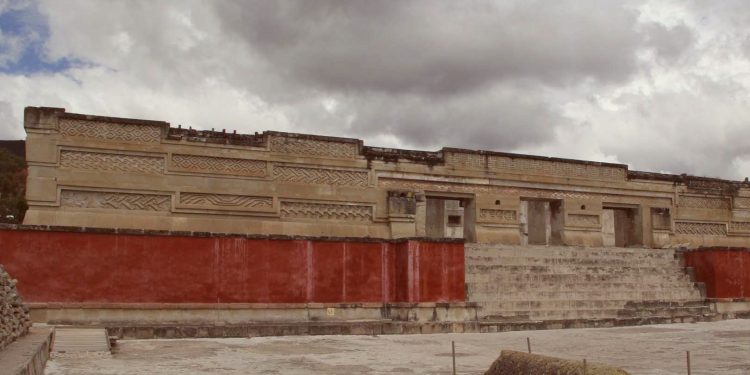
{"x":661,"y":85}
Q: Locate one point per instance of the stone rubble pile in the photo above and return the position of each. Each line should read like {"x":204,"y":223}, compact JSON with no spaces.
{"x":14,"y":315}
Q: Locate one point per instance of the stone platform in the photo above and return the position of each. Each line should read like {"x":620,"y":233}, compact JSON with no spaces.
{"x":568,"y":284}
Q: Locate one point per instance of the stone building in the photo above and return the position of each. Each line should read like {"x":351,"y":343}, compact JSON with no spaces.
{"x":94,"y":171}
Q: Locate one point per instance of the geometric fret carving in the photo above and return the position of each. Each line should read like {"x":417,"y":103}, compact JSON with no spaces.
{"x":703,"y":202}
{"x":534,"y":166}
{"x":111,"y":162}
{"x":416,"y":185}
{"x":326,"y":211}
{"x":711,"y":229}
{"x":498,"y":216}
{"x":740,"y":226}
{"x":120,"y":201}
{"x":314,"y":147}
{"x":742,"y":203}
{"x":324,"y":176}
{"x":582,"y":220}
{"x":110,"y":131}
{"x":225,"y":201}
{"x":210,"y":164}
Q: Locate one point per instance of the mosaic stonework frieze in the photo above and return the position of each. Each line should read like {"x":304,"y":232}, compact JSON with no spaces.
{"x":219,"y":165}
{"x":326,"y":211}
{"x":743,"y":203}
{"x":694,"y":228}
{"x":416,"y":185}
{"x":740,"y":226}
{"x":225,"y":201}
{"x":704,"y":202}
{"x":100,"y":161}
{"x":314,"y":147}
{"x":582,"y":220}
{"x":535,"y":166}
{"x":110,"y":131}
{"x":325,"y":176}
{"x":115,"y":200}
{"x":498,"y":216}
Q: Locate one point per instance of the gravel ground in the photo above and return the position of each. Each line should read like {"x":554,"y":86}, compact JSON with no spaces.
{"x":715,"y":348}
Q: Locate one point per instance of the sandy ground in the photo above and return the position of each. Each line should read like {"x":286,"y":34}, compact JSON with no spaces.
{"x":715,"y":348}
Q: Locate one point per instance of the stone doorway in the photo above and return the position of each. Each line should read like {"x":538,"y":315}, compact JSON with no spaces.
{"x":620,"y":226}
{"x":541,"y":222}
{"x":450,"y":217}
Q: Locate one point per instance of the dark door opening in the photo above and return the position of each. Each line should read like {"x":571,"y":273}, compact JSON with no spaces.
{"x":620,"y":227}
{"x":449,"y":217}
{"x":541,"y":222}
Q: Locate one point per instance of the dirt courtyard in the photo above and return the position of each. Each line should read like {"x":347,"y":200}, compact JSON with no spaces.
{"x":716,"y":348}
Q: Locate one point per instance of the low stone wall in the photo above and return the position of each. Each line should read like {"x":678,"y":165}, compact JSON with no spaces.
{"x":142,"y":267}
{"x":724,"y":270}
{"x":14,"y":315}
{"x":518,"y":363}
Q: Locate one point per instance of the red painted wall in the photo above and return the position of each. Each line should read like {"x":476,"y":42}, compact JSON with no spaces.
{"x":118,"y":268}
{"x":725,"y":271}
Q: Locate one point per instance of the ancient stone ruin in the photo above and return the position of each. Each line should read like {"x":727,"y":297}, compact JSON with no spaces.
{"x":14,"y":315}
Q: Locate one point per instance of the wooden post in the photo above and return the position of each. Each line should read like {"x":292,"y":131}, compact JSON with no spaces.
{"x":688,"y":361}
{"x":528,"y":344}
{"x":585,"y":370}
{"x":453,"y":350}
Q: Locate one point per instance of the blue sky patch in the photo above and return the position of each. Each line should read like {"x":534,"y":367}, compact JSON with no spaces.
{"x":30,"y":27}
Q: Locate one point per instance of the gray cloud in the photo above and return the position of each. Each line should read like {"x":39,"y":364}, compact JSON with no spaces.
{"x":436,"y":48}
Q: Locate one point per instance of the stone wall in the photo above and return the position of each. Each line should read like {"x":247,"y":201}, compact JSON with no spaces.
{"x":96,"y":171}
{"x":85,"y":265}
{"x":14,"y":315}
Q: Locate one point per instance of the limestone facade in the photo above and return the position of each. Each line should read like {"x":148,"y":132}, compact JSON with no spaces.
{"x":95,"y":171}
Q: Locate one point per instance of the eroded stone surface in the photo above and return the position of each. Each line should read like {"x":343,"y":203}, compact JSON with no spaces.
{"x":14,"y":315}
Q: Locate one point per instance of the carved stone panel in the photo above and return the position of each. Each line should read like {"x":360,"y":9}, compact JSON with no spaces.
{"x":704,"y":202}
{"x":314,"y":147}
{"x":711,"y":229}
{"x":110,"y":131}
{"x":217,"y":165}
{"x":100,"y":161}
{"x":325,"y":176}
{"x":115,"y":200}
{"x":742,"y":203}
{"x":582,"y":220}
{"x":740,"y":226}
{"x":453,"y":187}
{"x":326,"y":211}
{"x":498,"y":216}
{"x":225,"y":201}
{"x":534,"y":166}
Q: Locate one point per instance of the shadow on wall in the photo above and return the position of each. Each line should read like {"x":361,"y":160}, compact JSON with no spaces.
{"x":12,"y":185}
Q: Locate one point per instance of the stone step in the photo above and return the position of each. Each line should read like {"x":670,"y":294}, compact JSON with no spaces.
{"x":567,"y":251}
{"x":554,"y":261}
{"x":597,"y":273}
{"x":583,"y":305}
{"x":556,"y":314}
{"x":673,"y":294}
{"x":524,"y":260}
{"x":565,"y":314}
{"x":576,"y":285}
{"x":77,"y":340}
{"x":676,"y":294}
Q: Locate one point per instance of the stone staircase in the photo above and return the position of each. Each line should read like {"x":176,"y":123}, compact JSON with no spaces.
{"x":623,"y":286}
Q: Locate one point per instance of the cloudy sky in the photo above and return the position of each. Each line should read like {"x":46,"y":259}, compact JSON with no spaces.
{"x":660,"y":85}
